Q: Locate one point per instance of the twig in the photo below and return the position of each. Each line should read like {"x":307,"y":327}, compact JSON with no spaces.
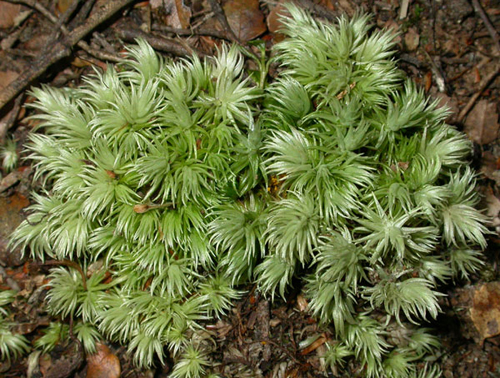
{"x":440,"y":80}
{"x":83,"y":14}
{"x":403,"y":9}
{"x":60,"y":49}
{"x":194,"y":31}
{"x":474,"y":98}
{"x":103,"y":42}
{"x":221,"y":16}
{"x":491,"y":29}
{"x":163,"y":44}
{"x":99,"y":54}
{"x":64,"y":19}
{"x":410,"y":59}
{"x":282,"y":349}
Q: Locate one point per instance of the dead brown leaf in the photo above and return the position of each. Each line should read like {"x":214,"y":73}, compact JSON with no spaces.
{"x":222,"y":329}
{"x":245,"y":18}
{"x":450,"y":102}
{"x":412,"y":39}
{"x":8,"y":14}
{"x":7,"y":77}
{"x":10,"y":218}
{"x":103,"y":364}
{"x":490,"y":166}
{"x":274,"y":23}
{"x":65,"y":364}
{"x":481,"y":124}
{"x":328,"y":4}
{"x":274,"y":19}
{"x":394,"y":28}
{"x":63,"y":5}
{"x":178,"y":14}
{"x":493,"y":204}
{"x":36,"y":43}
{"x":485,"y":311}
{"x":26,"y":328}
{"x":347,"y":7}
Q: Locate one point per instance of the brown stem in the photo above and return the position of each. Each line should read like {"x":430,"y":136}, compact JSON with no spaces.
{"x":60,"y":23}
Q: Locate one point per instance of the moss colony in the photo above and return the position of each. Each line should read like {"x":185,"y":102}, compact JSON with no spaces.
{"x":186,"y":179}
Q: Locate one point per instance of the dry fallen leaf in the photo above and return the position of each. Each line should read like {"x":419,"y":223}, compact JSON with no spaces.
{"x":7,"y":77}
{"x":245,"y":18}
{"x":103,"y":364}
{"x":490,"y":166}
{"x":493,"y":207}
{"x":481,"y":124}
{"x":274,"y":23}
{"x":394,"y":28}
{"x":10,"y":218}
{"x":8,"y":13}
{"x":178,"y":14}
{"x":412,"y":39}
{"x":485,"y":311}
{"x":63,"y":5}
{"x":493,"y":204}
{"x":450,"y":102}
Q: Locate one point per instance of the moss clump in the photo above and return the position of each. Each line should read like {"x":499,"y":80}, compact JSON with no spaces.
{"x":186,"y":179}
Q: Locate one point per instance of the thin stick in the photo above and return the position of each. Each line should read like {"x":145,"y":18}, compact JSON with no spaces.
{"x":59,"y":25}
{"x":83,"y":13}
{"x":99,"y":54}
{"x":194,"y":31}
{"x":491,"y":29}
{"x":159,"y":43}
{"x":474,"y":98}
{"x":403,"y":9}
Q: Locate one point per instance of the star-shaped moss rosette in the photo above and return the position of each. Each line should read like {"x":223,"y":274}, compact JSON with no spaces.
{"x":188,"y":179}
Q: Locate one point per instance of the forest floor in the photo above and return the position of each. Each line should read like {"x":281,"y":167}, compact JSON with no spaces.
{"x":451,"y":48}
